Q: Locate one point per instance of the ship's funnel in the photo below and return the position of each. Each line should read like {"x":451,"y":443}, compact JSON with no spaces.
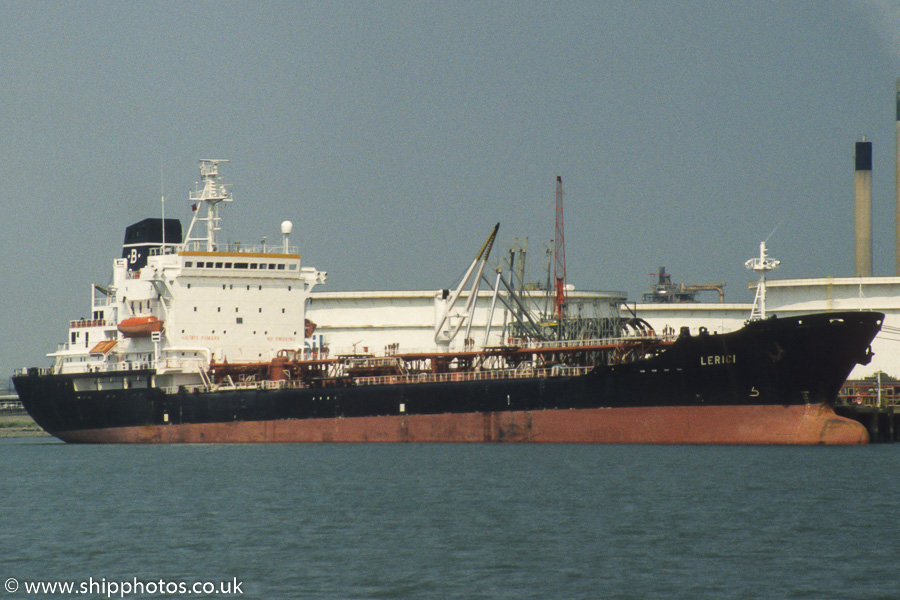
{"x":863,"y":212}
{"x":147,"y":236}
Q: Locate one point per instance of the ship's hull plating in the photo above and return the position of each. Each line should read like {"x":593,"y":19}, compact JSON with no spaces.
{"x":802,"y":424}
{"x":771,"y":382}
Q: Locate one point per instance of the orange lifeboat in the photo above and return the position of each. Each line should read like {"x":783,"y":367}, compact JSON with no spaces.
{"x":140,"y":326}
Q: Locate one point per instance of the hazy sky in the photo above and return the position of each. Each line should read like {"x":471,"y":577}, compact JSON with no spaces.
{"x":395,"y":134}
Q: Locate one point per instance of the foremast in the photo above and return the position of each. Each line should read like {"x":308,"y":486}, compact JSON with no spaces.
{"x":762,"y":265}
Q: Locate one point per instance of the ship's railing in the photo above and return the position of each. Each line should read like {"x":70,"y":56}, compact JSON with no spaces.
{"x":100,"y":301}
{"x":90,"y":323}
{"x":282,"y":384}
{"x":519,"y":344}
{"x":118,"y":366}
{"x":36,"y":370}
{"x":237,"y":247}
{"x":130,"y":365}
{"x":370,"y":362}
{"x":174,"y":363}
{"x":129,"y":362}
{"x":62,"y":366}
{"x":490,"y":375}
{"x":616,"y":341}
{"x":186,"y":365}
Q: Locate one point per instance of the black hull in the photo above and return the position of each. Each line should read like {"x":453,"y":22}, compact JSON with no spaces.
{"x":766,"y":366}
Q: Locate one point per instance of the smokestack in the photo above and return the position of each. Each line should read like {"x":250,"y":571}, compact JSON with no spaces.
{"x":863,"y":212}
{"x":897,"y":179}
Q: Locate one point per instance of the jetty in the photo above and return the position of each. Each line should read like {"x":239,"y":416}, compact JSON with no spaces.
{"x":874,"y":402}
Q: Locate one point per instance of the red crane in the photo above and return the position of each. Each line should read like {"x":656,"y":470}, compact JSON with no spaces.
{"x":559,"y":270}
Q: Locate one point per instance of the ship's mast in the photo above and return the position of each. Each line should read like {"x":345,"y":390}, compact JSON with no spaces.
{"x":212,"y":193}
{"x":762,"y":265}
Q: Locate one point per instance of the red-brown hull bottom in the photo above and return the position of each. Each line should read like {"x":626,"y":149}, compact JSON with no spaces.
{"x":803,"y":424}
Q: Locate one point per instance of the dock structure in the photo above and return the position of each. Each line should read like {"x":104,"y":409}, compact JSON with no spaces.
{"x":9,"y":403}
{"x":874,"y":402}
{"x":14,"y":419}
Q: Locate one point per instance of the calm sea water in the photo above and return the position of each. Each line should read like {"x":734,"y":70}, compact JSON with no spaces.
{"x":456,"y":521}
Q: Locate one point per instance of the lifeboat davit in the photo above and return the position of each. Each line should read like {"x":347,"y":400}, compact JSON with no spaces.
{"x":140,"y":326}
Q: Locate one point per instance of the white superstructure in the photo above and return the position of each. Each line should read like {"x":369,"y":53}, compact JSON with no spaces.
{"x":194,"y":302}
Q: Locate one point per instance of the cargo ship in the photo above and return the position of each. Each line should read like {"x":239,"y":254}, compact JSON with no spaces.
{"x":195,"y":341}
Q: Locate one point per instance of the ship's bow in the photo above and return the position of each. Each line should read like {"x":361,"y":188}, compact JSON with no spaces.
{"x":828,"y":346}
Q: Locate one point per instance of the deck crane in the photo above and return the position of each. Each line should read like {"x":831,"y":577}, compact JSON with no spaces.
{"x":450,"y":321}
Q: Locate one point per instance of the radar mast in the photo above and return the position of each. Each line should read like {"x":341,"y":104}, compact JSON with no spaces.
{"x":212,"y":193}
